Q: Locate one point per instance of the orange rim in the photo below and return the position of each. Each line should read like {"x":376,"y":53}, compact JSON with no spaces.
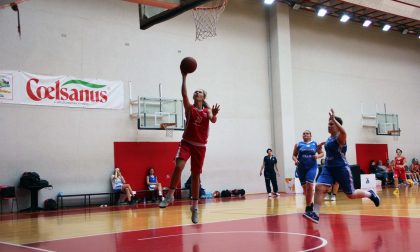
{"x":212,"y":8}
{"x":165,"y":125}
{"x":15,"y":2}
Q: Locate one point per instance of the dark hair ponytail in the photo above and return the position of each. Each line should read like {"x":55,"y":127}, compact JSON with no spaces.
{"x":206,"y":105}
{"x":339,"y":120}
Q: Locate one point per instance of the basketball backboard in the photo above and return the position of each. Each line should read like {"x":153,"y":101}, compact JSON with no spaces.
{"x":387,"y":124}
{"x":157,"y":113}
{"x":156,"y":11}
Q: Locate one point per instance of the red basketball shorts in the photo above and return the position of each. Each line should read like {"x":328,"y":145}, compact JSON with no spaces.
{"x":399,"y":173}
{"x":197,"y":154}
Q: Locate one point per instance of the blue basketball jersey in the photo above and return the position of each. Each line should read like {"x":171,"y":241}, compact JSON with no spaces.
{"x":336,"y":154}
{"x":306,"y":151}
{"x":152,"y":179}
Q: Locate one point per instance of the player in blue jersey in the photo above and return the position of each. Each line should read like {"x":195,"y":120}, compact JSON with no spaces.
{"x":336,"y":169}
{"x":305,"y":154}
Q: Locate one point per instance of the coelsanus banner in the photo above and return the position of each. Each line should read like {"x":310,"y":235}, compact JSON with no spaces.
{"x":65,"y":91}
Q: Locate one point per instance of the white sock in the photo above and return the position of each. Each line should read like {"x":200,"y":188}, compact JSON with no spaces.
{"x":317,"y":207}
{"x":194,"y":204}
{"x":170,"y":193}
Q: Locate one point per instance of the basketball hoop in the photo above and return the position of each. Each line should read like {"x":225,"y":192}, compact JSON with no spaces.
{"x":206,"y":17}
{"x":8,"y":3}
{"x":394,"y":132}
{"x":169,"y":128}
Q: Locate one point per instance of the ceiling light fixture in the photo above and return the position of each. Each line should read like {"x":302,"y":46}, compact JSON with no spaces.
{"x":386,"y":27}
{"x":367,"y":23}
{"x":296,"y":6}
{"x":322,"y":12}
{"x":344,"y":18}
{"x":268,"y":1}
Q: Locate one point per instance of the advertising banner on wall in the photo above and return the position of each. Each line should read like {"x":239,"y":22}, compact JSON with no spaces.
{"x":65,"y":91}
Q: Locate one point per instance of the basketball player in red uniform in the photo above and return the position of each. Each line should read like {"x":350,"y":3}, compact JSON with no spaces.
{"x":193,"y":144}
{"x":399,"y":170}
{"x":415,"y":169}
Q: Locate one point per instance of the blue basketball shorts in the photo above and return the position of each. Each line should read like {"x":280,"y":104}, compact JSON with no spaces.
{"x":341,"y":174}
{"x":307,"y":175}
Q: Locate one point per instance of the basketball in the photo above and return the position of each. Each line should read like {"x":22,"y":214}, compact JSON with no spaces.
{"x":188,"y":65}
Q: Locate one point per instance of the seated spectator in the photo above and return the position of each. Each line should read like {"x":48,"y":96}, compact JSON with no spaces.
{"x":372,"y":167}
{"x":415,"y":169}
{"x":152,"y":182}
{"x":389,"y":172}
{"x":408,"y":174}
{"x":119,"y":185}
{"x":381,"y":172}
{"x":187,"y":185}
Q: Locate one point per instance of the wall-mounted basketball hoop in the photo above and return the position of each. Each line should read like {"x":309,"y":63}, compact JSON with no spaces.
{"x":157,"y":113}
{"x":206,"y":17}
{"x":385,"y":124}
{"x":394,"y":132}
{"x":169,"y":128}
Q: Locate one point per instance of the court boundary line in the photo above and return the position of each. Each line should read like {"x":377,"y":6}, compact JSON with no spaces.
{"x":24,"y":246}
{"x":362,"y":214}
{"x":323,"y":240}
{"x":174,"y":226}
{"x":183,"y":225}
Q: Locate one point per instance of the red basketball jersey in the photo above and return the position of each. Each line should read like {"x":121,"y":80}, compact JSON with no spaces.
{"x":399,"y":161}
{"x":197,"y":128}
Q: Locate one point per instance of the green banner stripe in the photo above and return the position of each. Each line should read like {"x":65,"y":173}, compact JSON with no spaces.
{"x":84,"y":83}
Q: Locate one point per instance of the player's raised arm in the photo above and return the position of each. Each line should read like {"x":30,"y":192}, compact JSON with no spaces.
{"x":185,"y":99}
{"x":342,"y":137}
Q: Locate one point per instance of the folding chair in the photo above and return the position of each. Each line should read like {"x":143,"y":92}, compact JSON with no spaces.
{"x":8,"y":193}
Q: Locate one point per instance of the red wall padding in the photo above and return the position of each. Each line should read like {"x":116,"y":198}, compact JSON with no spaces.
{"x":367,"y":152}
{"x":135,"y":158}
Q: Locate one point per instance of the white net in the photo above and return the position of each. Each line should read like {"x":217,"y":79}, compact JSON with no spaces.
{"x":206,"y":17}
{"x":169,"y":128}
{"x":169,"y":132}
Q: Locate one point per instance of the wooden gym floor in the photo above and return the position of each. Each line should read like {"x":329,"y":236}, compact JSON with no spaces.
{"x":253,"y":223}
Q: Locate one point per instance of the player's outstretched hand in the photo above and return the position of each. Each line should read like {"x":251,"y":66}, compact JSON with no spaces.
{"x":332,"y":114}
{"x":319,"y":146}
{"x":215,"y":109}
